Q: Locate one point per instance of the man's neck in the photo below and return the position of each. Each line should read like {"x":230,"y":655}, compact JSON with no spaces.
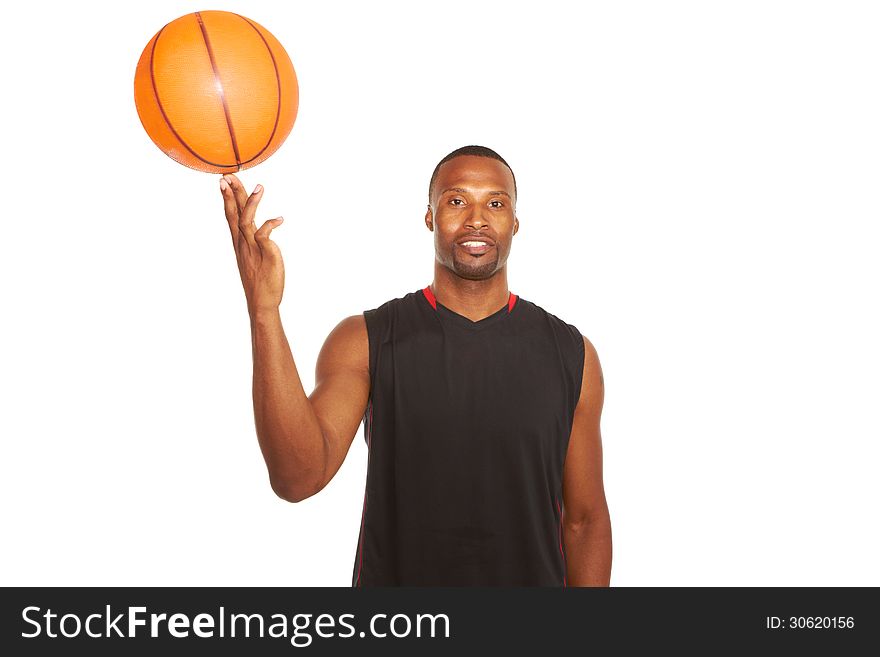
{"x":475,"y":300}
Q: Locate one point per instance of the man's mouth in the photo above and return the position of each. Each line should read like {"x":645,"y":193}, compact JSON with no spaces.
{"x":475,"y":247}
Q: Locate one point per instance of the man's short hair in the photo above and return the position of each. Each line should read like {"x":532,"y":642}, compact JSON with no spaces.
{"x":479,"y":151}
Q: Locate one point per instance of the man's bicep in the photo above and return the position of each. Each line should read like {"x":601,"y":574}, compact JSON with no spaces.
{"x":583,"y":488}
{"x":342,"y":387}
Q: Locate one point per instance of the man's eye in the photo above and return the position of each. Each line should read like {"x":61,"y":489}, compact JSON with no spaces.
{"x":456,"y":201}
{"x":496,"y":204}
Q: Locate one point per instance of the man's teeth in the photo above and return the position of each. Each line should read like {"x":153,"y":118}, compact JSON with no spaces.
{"x":473,"y":243}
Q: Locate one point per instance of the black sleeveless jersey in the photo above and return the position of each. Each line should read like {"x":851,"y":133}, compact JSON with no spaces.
{"x":467,"y":428}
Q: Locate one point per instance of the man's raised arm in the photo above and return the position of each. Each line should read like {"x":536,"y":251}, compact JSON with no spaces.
{"x":303,"y":439}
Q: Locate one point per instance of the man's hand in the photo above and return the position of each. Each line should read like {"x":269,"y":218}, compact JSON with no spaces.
{"x":259,"y":258}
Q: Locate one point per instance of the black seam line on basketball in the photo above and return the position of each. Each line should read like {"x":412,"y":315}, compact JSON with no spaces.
{"x":220,"y":89}
{"x":278,"y":81}
{"x":165,"y":116}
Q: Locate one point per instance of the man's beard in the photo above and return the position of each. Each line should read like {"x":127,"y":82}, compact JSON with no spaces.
{"x":476,"y":269}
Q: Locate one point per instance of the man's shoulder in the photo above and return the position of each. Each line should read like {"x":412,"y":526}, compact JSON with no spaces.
{"x":554,"y":321}
{"x":355,"y":327}
{"x":407,"y":299}
{"x":406,"y":305}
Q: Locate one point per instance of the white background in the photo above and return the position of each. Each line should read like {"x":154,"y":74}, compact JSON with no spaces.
{"x":698,"y":195}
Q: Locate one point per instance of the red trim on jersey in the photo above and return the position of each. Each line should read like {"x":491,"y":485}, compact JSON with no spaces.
{"x":364,"y":509}
{"x":429,"y":295}
{"x":561,"y":551}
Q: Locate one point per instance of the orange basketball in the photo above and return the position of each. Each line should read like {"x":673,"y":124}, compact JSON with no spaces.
{"x":216,"y":91}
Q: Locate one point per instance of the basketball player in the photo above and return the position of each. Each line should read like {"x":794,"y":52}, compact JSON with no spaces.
{"x":481,"y":410}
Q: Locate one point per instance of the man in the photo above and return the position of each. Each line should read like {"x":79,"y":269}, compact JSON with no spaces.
{"x":481,"y":410}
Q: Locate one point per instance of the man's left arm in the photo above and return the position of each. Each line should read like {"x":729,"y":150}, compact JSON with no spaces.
{"x":586,"y":521}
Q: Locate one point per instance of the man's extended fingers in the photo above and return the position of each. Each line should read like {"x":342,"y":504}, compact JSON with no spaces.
{"x":238,"y":190}
{"x":230,"y":207}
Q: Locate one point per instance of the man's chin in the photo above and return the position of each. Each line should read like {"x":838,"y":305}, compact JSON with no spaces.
{"x":477,"y":272}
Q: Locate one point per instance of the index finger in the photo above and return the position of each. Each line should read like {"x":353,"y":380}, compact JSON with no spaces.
{"x":230,"y":207}
{"x":238,"y":191}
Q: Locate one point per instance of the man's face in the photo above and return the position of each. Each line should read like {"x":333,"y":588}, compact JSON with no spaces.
{"x":473,"y":201}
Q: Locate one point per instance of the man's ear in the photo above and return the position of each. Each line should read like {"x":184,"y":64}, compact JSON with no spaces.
{"x":515,"y":225}
{"x":429,"y":219}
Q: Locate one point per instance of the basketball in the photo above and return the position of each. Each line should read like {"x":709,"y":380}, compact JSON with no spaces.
{"x":216,"y":91}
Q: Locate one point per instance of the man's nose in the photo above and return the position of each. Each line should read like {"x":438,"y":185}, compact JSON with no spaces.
{"x":476,"y":220}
